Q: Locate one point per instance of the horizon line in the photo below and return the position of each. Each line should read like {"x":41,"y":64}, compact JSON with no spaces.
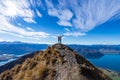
{"x":62,"y":43}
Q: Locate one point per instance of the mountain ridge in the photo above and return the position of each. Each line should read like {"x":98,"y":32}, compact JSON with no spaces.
{"x":57,"y":62}
{"x":20,"y":60}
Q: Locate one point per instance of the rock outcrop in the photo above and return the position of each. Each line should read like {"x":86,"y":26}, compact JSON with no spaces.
{"x":57,"y":62}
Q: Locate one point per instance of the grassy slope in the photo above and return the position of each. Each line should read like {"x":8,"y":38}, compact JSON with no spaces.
{"x":114,"y":75}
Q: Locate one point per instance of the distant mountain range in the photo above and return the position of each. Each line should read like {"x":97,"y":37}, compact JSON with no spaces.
{"x":105,"y":49}
{"x":19,"y":48}
{"x":10,"y":50}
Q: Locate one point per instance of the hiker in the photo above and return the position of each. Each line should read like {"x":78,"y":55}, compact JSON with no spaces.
{"x":60,"y":38}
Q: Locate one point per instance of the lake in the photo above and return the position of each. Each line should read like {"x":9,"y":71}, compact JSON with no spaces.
{"x":109,"y":61}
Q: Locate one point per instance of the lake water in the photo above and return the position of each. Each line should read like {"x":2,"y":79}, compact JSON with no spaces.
{"x":4,"y":62}
{"x":108,"y":61}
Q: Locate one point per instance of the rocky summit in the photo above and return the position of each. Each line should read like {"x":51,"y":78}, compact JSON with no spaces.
{"x":57,"y":62}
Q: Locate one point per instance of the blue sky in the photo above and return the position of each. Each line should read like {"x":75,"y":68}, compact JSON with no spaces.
{"x":80,"y":21}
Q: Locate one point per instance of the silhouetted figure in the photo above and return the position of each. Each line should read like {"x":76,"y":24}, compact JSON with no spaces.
{"x":60,"y":38}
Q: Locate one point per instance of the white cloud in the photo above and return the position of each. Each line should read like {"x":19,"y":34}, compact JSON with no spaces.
{"x":29,"y":20}
{"x":29,"y":29}
{"x":19,"y":24}
{"x":80,"y":14}
{"x":38,"y":13}
{"x":64,"y":15}
{"x":8,"y":28}
{"x":74,"y":34}
{"x":17,"y":8}
{"x":64,"y":23}
{"x":84,"y":15}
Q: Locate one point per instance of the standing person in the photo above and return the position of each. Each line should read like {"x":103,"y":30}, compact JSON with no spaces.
{"x":60,"y":38}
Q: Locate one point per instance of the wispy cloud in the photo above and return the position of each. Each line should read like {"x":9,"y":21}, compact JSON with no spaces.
{"x":18,"y":8}
{"x":87,"y":13}
{"x":38,"y":13}
{"x":74,"y":34}
{"x":29,"y":29}
{"x":69,"y":32}
{"x":80,"y":15}
{"x":64,"y":23}
{"x":29,"y":20}
{"x":64,"y":15}
{"x":8,"y":28}
{"x":15,"y":8}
